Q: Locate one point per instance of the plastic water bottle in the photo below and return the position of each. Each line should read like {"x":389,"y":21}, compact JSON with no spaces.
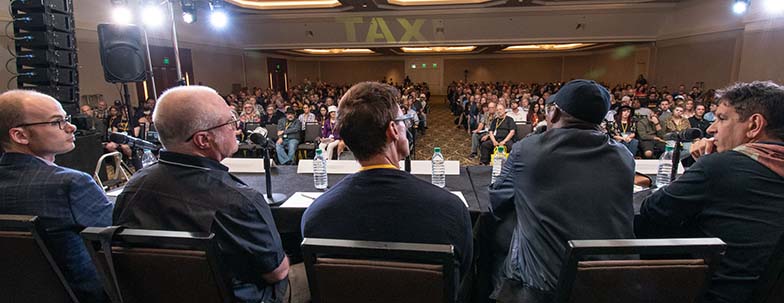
{"x":438,"y":176}
{"x":498,"y":162}
{"x":148,"y":158}
{"x":320,"y":171}
{"x":665,"y":165}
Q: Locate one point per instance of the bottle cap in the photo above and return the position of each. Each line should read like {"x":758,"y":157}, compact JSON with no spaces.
{"x":437,"y":150}
{"x":500,"y":149}
{"x":318,"y":151}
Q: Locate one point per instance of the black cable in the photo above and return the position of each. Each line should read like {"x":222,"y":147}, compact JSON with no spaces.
{"x":6,"y":66}
{"x":8,"y":84}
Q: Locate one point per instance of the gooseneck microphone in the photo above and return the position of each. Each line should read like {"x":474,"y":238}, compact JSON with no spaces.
{"x":259,"y":136}
{"x":121,"y":138}
{"x":688,"y":134}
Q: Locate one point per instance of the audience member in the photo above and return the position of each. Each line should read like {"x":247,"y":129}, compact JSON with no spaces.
{"x":516,"y":114}
{"x":651,"y":135}
{"x":306,"y":117}
{"x":624,"y":129}
{"x":189,"y":190}
{"x":698,"y":120}
{"x":385,"y":203}
{"x":598,"y":204}
{"x":500,"y":133}
{"x":289,"y":137}
{"x":34,"y":128}
{"x":735,"y":190}
{"x":330,"y":138}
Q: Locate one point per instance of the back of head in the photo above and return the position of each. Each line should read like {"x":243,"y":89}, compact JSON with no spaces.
{"x":364,"y":113}
{"x":758,"y":97}
{"x":585,"y":100}
{"x":184,"y":110}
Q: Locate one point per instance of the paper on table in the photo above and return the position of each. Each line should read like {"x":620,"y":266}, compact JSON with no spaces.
{"x":304,"y":199}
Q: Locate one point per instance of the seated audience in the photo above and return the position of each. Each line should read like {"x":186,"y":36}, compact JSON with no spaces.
{"x":249,"y":114}
{"x":597,"y":205}
{"x":624,"y":129}
{"x":382,"y":202}
{"x":516,"y":113}
{"x":189,"y":190}
{"x":735,"y":190}
{"x":482,"y":127}
{"x":651,"y":135}
{"x":698,"y":120}
{"x":330,"y":139}
{"x":501,"y":131}
{"x":289,"y":137}
{"x":34,"y":128}
{"x":306,"y":117}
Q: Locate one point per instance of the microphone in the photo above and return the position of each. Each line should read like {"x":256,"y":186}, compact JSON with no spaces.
{"x":686,"y":135}
{"x":121,"y":138}
{"x":259,"y":136}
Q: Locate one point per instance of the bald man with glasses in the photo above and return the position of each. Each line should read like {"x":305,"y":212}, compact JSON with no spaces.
{"x":34,"y":128}
{"x":190,"y":190}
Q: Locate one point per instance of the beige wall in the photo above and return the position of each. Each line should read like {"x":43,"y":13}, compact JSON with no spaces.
{"x":708,"y":58}
{"x":761,"y":58}
{"x":256,"y":69}
{"x":345,"y":71}
{"x":497,"y":69}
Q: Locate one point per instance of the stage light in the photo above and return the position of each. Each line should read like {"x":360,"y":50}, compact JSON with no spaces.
{"x":774,"y":6}
{"x":152,"y":15}
{"x":122,"y":15}
{"x":218,"y":18}
{"x":740,"y":6}
{"x":188,"y":17}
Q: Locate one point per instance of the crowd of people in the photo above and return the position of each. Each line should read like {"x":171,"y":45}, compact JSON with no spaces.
{"x":639,"y":118}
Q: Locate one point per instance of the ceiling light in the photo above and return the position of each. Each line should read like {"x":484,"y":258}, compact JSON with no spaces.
{"x":281,"y":4}
{"x":547,"y":47}
{"x":774,"y":6}
{"x":434,"y":2}
{"x":336,"y":51}
{"x":188,"y":17}
{"x":740,"y":6}
{"x":122,"y":15}
{"x":438,"y":49}
{"x":188,"y":11}
{"x":152,"y":15}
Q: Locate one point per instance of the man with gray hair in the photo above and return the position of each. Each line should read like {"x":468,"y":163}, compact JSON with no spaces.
{"x":34,"y":128}
{"x":189,"y":190}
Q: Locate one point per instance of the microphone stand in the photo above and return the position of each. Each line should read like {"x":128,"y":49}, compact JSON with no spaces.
{"x":270,"y":197}
{"x":676,"y":158}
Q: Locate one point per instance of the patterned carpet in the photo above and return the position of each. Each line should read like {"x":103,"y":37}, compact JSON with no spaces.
{"x":455,"y":143}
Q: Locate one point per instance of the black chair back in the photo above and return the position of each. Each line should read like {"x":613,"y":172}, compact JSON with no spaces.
{"x":619,"y":279}
{"x":522,"y":129}
{"x":367,"y":271}
{"x":272,"y":131}
{"x":158,"y":266}
{"x":771,"y":283}
{"x":312,"y":131}
{"x":29,"y":273}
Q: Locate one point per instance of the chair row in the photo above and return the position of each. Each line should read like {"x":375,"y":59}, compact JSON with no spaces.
{"x":165,"y":266}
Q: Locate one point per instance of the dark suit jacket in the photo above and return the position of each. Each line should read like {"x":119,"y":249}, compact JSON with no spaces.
{"x":66,"y":201}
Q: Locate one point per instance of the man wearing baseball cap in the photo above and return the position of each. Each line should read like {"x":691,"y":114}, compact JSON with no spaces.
{"x":289,"y":129}
{"x":570,"y":182}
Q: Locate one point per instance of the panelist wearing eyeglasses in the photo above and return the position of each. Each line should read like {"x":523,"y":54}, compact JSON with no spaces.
{"x":34,"y":128}
{"x":382,"y":202}
{"x":190,"y":190}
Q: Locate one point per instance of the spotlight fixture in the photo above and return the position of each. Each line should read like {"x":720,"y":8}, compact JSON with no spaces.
{"x":774,"y":6}
{"x":122,"y":15}
{"x":740,"y":6}
{"x":188,"y":11}
{"x":218,"y":16}
{"x":152,"y":15}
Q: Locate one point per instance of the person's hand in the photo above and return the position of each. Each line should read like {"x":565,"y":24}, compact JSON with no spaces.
{"x":702,"y":147}
{"x":653,"y":119}
{"x":503,"y":142}
{"x":627,"y":139}
{"x":280,"y":133}
{"x":280,"y":140}
{"x":485,"y":137}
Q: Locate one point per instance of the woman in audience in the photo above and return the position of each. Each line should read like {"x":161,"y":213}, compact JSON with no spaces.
{"x":249,"y":114}
{"x":535,"y":114}
{"x":688,"y":109}
{"x":677,"y":122}
{"x":329,"y":135}
{"x":321,"y":114}
{"x":624,"y":129}
{"x":306,"y":117}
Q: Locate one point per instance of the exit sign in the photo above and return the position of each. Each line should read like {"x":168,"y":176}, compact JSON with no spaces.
{"x":165,"y":60}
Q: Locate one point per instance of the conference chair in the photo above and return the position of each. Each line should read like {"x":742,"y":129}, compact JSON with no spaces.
{"x":29,"y":272}
{"x":669,"y":277}
{"x":522,"y":129}
{"x":312,"y":131}
{"x":244,"y":148}
{"x":367,"y":271}
{"x":157,"y":266}
{"x":771,"y":283}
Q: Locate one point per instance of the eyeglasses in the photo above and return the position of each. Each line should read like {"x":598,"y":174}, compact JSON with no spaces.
{"x":61,"y":123}
{"x":406,"y":119}
{"x":233,"y":120}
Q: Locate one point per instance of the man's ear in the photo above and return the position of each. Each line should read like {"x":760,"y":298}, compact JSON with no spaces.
{"x":756,"y":125}
{"x":202,"y":140}
{"x":392,"y":132}
{"x":19,"y":136}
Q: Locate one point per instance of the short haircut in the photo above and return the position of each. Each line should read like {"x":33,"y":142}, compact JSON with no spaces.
{"x":11,"y":113}
{"x":364,"y":114}
{"x":759,"y":97}
{"x":181,"y":111}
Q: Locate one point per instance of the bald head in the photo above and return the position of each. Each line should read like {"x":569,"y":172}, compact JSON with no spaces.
{"x":14,"y":107}
{"x":184,"y":110}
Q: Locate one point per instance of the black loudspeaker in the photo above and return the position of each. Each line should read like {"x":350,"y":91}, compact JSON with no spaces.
{"x":122,"y":54}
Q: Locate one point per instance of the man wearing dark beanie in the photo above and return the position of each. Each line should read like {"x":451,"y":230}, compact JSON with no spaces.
{"x":570,"y":182}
